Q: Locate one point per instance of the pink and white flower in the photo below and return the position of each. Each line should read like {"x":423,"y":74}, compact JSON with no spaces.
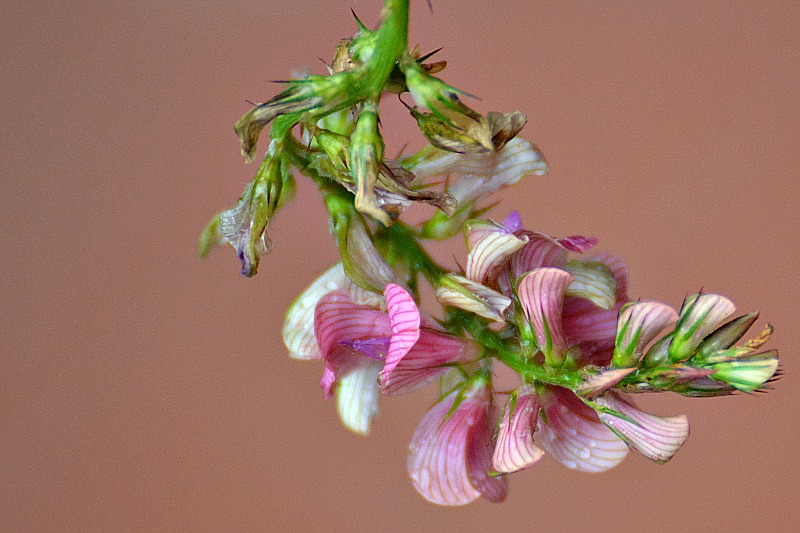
{"x":451,"y":452}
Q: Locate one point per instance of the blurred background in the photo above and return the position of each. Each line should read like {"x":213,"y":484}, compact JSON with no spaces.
{"x":144,"y":390}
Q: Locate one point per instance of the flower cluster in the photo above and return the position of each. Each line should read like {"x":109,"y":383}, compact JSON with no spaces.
{"x":556,"y":313}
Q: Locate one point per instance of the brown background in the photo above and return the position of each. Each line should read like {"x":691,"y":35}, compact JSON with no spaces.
{"x":145,"y":390}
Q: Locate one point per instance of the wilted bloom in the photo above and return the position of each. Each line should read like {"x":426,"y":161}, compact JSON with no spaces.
{"x":451,"y":452}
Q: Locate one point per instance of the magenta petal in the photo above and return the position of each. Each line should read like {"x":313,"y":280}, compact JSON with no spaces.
{"x":657,"y":438}
{"x":337,"y":321}
{"x":405,"y":319}
{"x":443,"y":457}
{"x":541,"y":294}
{"x":512,"y":222}
{"x":540,"y":251}
{"x":425,"y":361}
{"x":585,"y":322}
{"x":577,"y":243}
{"x":515,"y":449}
{"x":573,"y":434}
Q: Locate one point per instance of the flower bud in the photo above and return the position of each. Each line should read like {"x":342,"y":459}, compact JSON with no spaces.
{"x":366,"y":154}
{"x":450,"y":125}
{"x":699,"y":316}
{"x":458,"y":291}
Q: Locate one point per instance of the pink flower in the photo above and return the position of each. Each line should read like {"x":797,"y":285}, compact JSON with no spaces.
{"x":451,"y":451}
{"x":368,"y":351}
{"x":559,"y":423}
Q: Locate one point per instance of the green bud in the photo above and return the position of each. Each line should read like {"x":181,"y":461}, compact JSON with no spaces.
{"x":700,"y":315}
{"x":366,"y":155}
{"x":747,"y":372}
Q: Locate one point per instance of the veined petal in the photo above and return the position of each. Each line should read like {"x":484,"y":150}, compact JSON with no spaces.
{"x":593,"y":281}
{"x":338,"y":321}
{"x":357,"y":397}
{"x":458,"y":291}
{"x":515,"y":448}
{"x":540,"y":251}
{"x":573,"y":434}
{"x":700,"y":315}
{"x":657,"y":438}
{"x":442,"y":451}
{"x":639,"y":323}
{"x":578,"y":243}
{"x":298,"y":327}
{"x":404,"y":318}
{"x":541,"y":294}
{"x":490,"y":245}
{"x":425,"y":361}
{"x":585,"y":322}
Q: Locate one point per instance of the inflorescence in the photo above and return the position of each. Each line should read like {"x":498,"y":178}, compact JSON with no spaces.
{"x":560,"y":317}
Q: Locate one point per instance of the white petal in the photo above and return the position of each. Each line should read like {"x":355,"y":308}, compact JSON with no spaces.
{"x":357,"y":397}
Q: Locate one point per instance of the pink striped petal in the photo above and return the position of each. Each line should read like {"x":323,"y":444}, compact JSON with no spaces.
{"x":578,"y":243}
{"x":405,"y":320}
{"x":490,"y":246}
{"x":298,"y":327}
{"x":639,"y":323}
{"x":618,"y":267}
{"x":700,"y":315}
{"x":428,"y":359}
{"x":338,"y":321}
{"x":515,"y":449}
{"x":541,"y":294}
{"x":540,"y":251}
{"x":442,"y":454}
{"x":585,"y":322}
{"x":573,"y":434}
{"x":357,"y":397}
{"x":657,"y":438}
